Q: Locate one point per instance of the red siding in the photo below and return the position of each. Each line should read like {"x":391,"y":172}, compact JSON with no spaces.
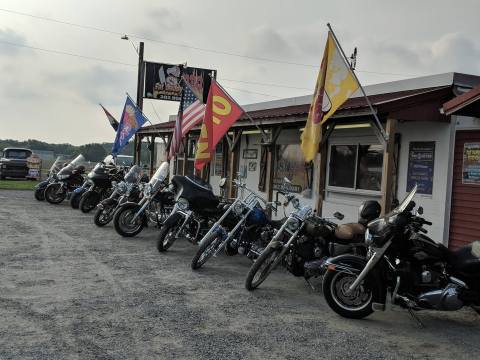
{"x":465,"y":208}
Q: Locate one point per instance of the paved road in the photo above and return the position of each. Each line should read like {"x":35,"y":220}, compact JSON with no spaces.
{"x":71,"y":290}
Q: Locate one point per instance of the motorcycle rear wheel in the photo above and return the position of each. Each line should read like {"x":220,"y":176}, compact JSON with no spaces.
{"x":166,"y":236}
{"x":89,"y":201}
{"x":206,"y":250}
{"x":261,"y":268}
{"x":53,"y":196}
{"x":353,"y":306}
{"x":123,"y":221}
{"x":39,"y":194}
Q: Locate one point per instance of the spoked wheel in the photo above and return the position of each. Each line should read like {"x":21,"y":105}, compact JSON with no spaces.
{"x":168,"y":232}
{"x":103,"y":216}
{"x":206,"y":250}
{"x":124,"y":223}
{"x":354,"y":305}
{"x":54,"y":193}
{"x":89,"y":201}
{"x":262,"y":267}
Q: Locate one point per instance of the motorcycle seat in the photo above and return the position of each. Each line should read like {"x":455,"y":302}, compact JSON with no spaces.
{"x":349,"y":231}
{"x":467,"y":258}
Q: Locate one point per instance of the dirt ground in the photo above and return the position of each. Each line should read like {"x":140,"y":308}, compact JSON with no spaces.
{"x":70,"y":290}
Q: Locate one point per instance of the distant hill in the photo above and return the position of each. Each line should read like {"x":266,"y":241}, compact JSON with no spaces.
{"x":93,"y":152}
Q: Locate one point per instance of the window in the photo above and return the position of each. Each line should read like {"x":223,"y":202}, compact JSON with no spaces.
{"x":357,"y":167}
{"x":218,"y":164}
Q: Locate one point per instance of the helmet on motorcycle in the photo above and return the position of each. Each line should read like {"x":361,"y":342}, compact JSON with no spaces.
{"x":369,"y":210}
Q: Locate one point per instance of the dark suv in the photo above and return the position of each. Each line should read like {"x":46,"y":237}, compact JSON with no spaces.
{"x":13,"y":162}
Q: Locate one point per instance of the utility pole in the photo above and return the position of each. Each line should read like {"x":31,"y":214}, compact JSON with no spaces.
{"x":137,"y":143}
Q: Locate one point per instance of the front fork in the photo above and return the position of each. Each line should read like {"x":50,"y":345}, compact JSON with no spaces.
{"x":143,"y":205}
{"x":287,"y":244}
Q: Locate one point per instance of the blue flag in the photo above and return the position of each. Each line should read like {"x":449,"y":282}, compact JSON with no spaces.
{"x":132,"y":119}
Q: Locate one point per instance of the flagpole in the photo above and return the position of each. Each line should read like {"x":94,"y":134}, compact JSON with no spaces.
{"x":344,"y":58}
{"x":246,"y":113}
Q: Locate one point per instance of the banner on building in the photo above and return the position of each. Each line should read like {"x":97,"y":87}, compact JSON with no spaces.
{"x":163,"y":81}
{"x":471,"y":164}
{"x":421,"y":158}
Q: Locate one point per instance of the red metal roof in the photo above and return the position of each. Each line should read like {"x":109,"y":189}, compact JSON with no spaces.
{"x":462,"y":101}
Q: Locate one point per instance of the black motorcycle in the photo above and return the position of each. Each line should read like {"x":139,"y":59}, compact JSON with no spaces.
{"x":403,"y":267}
{"x":65,"y":181}
{"x":306,"y":240}
{"x":154,"y":206}
{"x":39,"y":192}
{"x":127,"y":190}
{"x":101,"y":177}
{"x":196,"y":209}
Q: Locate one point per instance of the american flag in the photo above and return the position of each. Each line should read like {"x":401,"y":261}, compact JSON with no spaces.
{"x":191,"y":113}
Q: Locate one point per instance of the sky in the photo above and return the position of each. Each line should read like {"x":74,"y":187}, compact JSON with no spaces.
{"x":50,"y":96}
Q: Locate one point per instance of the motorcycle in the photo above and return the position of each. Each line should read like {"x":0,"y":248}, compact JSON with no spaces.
{"x":403,"y":267}
{"x":154,"y":206}
{"x":306,"y":240}
{"x":126,"y":190}
{"x":65,"y":181}
{"x":239,"y":228}
{"x":39,"y":192}
{"x":78,"y":192}
{"x":196,"y":208}
{"x":101,"y":178}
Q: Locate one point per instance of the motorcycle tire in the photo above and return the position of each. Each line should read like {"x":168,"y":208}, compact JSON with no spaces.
{"x":75,"y":200}
{"x":39,"y":194}
{"x":261,"y":267}
{"x":89,"y":201}
{"x":207,"y":248}
{"x":334,"y":284}
{"x":166,"y":236}
{"x":102,"y":217}
{"x":52,"y":195}
{"x":120,"y":221}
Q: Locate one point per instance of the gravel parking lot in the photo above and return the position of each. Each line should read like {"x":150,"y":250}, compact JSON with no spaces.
{"x":71,"y":290}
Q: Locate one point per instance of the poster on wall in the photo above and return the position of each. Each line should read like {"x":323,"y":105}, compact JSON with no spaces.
{"x":471,"y":164}
{"x":290,"y":163}
{"x":163,"y":81}
{"x":421,"y":158}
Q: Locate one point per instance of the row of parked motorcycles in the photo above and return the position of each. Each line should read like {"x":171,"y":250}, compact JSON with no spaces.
{"x":367,"y":266}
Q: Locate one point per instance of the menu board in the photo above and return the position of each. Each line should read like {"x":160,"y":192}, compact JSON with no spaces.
{"x":421,"y":158}
{"x":471,"y":164}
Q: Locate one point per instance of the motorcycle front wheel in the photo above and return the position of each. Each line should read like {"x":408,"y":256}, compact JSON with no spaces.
{"x":123,"y":220}
{"x":262,"y":267}
{"x":54,"y":194}
{"x":166,"y":236}
{"x":75,"y":200}
{"x":88,"y":201}
{"x":206,"y":250}
{"x":354,"y":305}
{"x":39,"y":194}
{"x":103,"y":216}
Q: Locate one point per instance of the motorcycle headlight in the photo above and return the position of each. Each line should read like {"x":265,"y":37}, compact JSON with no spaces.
{"x":238,"y":209}
{"x":122,"y":187}
{"x":293,"y":224}
{"x":182,"y":204}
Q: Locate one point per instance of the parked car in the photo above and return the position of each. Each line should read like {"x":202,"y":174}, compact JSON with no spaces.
{"x":13,"y":163}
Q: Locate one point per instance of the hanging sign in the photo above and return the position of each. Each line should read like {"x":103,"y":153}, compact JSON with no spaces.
{"x":421,"y":158}
{"x":163,"y":81}
{"x":471,"y":164}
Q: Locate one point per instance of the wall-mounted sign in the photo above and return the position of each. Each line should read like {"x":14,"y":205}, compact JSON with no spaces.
{"x":163,"y":81}
{"x":421,"y":158}
{"x":250,"y":153}
{"x":289,"y":163}
{"x":471,"y":163}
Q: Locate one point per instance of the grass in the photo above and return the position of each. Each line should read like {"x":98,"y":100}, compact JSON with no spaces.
{"x":18,"y":184}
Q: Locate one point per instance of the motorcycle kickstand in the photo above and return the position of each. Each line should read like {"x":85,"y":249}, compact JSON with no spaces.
{"x":416,"y":318}
{"x":310,"y":284}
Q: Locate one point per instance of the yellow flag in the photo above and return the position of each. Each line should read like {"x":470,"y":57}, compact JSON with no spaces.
{"x":335,"y":84}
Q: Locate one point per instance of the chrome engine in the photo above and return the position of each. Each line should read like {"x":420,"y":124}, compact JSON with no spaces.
{"x":442,"y":299}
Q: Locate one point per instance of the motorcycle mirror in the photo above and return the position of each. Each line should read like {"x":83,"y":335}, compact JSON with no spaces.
{"x":420,"y":210}
{"x":338,"y":216}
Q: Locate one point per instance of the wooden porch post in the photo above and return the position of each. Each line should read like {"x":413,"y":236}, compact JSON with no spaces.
{"x":137,"y":149}
{"x":320,"y":168}
{"x":152,"y":154}
{"x":234,"y":160}
{"x":388,"y":167}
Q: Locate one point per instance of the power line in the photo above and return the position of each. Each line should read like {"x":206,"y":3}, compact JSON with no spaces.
{"x":220,"y":52}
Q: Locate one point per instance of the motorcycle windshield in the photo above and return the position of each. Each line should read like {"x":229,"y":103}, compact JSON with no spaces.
{"x":79,"y":160}
{"x":133,"y":175}
{"x":56,"y":166}
{"x":159,"y":177}
{"x":403,"y":205}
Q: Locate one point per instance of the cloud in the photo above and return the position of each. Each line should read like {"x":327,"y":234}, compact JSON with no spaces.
{"x":160,"y":21}
{"x":10,"y":36}
{"x":268,"y":43}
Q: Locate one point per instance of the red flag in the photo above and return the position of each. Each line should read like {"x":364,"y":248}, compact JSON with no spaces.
{"x":221,"y":113}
